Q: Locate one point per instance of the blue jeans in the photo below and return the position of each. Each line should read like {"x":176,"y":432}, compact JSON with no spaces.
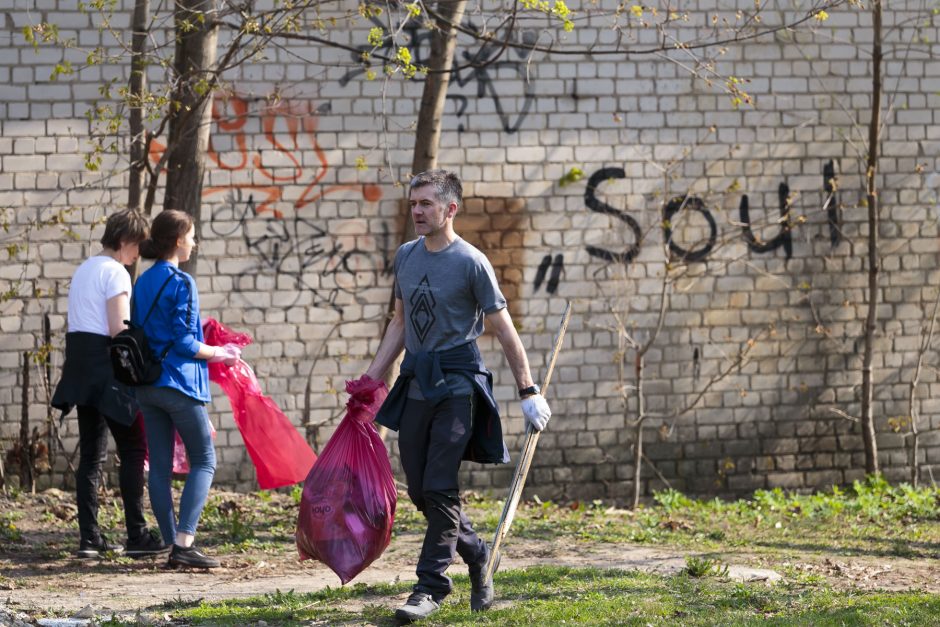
{"x":167,"y":410}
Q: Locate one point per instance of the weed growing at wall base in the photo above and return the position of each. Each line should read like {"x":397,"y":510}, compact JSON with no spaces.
{"x":8,"y":529}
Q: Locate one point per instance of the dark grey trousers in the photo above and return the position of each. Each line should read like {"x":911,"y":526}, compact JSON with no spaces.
{"x":131,"y":444}
{"x":431,"y":443}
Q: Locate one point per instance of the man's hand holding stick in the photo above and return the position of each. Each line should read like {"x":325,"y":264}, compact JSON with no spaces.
{"x":528,"y":451}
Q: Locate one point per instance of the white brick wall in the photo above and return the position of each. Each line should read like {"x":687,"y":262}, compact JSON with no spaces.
{"x":311,"y":285}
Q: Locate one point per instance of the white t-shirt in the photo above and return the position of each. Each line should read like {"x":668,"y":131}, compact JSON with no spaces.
{"x":96,"y":281}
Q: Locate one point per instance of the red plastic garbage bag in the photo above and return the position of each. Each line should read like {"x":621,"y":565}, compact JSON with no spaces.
{"x":280,"y":455}
{"x":349,"y":498}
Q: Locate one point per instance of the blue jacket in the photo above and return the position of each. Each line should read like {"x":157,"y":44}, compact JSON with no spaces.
{"x":486,"y":444}
{"x":174,"y":327}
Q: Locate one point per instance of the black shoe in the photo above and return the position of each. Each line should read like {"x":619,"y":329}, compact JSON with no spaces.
{"x":481,"y":591}
{"x":98,"y":548}
{"x":147,"y":545}
{"x":191,"y":557}
{"x":419,"y":605}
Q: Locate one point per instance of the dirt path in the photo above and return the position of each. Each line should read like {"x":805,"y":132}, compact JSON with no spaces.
{"x":65,"y":586}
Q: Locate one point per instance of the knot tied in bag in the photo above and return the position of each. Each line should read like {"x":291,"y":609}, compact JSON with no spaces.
{"x":365,"y":397}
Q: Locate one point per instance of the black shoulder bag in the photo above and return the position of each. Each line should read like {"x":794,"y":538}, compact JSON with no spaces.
{"x":132,"y":359}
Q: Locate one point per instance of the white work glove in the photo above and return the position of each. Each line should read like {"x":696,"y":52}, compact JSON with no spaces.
{"x":536,"y":411}
{"x":227,"y":355}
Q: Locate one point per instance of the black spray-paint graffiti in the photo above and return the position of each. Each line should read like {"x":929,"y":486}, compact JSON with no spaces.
{"x":556,"y":265}
{"x":479,"y":66}
{"x":482,"y":68}
{"x":680,"y":204}
{"x":303,"y":251}
{"x":689,"y":203}
{"x":784,"y":238}
{"x":590,"y":199}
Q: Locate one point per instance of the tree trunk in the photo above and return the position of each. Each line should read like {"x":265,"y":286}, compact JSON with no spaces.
{"x":914,"y":411}
{"x":874,"y":127}
{"x":428,"y":133}
{"x":137,"y":86}
{"x":27,"y":480}
{"x":191,"y":112}
{"x":51,"y":422}
{"x":638,"y":437}
{"x":434,"y":96}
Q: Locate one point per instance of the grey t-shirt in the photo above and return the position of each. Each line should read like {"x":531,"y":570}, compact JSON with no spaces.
{"x":445,"y":296}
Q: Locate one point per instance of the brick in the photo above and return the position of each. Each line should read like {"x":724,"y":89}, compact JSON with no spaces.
{"x":785,"y":480}
{"x":23,"y":163}
{"x":24,"y":129}
{"x":66,"y":163}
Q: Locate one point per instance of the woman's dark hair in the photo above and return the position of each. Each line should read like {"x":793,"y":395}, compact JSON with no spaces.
{"x":127,"y":225}
{"x":165,"y":231}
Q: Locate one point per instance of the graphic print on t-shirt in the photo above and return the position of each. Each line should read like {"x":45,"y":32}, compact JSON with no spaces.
{"x":422,"y":309}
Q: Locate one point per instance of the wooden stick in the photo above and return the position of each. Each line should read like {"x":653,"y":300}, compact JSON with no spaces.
{"x":525,"y":461}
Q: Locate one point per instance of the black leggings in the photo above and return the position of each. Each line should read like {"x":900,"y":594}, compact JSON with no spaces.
{"x":93,"y":449}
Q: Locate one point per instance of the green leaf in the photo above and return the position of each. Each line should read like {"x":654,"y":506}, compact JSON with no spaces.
{"x":571,"y":176}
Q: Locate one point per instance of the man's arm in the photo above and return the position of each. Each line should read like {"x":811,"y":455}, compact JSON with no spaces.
{"x":393,"y":342}
{"x":512,"y":347}
{"x":534,"y":406}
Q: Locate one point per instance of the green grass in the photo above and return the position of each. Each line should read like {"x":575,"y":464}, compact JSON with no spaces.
{"x":558,"y":596}
{"x":870,"y":518}
{"x":254,"y":521}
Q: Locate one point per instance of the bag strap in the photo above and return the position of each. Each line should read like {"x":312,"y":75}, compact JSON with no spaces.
{"x":154,"y":303}
{"x":150,"y":311}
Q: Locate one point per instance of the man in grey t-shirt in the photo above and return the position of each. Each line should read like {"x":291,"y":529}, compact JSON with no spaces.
{"x":442,"y":403}
{"x":446,"y":294}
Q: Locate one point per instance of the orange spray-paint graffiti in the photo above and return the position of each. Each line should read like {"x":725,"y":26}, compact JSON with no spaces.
{"x":289,"y":130}
{"x":269,"y":177}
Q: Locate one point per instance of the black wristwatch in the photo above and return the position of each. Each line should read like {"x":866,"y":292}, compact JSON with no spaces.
{"x":529,"y":391}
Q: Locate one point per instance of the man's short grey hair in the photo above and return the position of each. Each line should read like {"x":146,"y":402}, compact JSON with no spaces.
{"x":447,"y":186}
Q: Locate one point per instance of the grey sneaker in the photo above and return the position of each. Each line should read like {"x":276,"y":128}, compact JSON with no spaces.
{"x":419,"y":605}
{"x":481,"y":592}
{"x":98,"y":548}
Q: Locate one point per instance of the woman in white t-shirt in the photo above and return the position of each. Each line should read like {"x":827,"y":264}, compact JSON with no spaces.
{"x":98,"y":306}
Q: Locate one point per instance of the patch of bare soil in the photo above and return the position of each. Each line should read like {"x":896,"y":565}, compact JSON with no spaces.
{"x":37,"y":572}
{"x":868,"y":573}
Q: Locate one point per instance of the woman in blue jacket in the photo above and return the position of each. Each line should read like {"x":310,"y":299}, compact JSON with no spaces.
{"x":166,"y":306}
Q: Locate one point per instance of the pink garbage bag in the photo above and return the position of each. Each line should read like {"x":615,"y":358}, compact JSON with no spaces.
{"x":349,"y":497}
{"x":180,"y":460}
